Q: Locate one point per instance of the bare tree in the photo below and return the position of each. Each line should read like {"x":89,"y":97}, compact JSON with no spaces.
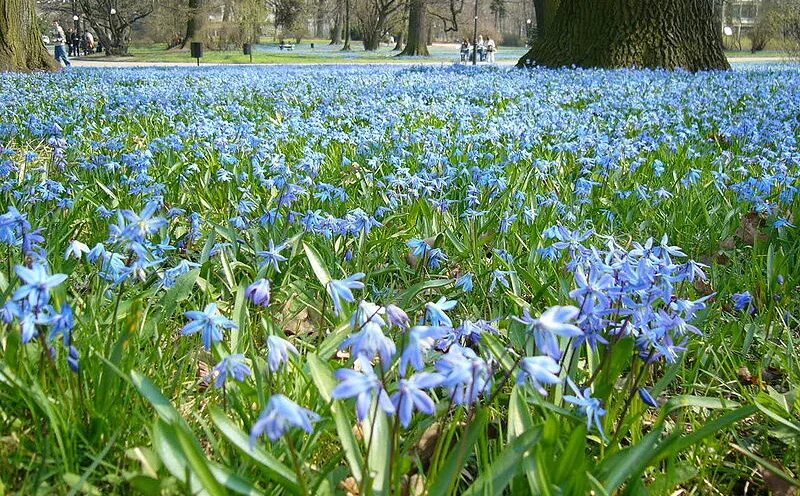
{"x":112,"y":20}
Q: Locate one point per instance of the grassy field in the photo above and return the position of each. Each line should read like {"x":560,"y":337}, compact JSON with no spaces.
{"x":399,"y":280}
{"x":322,"y":53}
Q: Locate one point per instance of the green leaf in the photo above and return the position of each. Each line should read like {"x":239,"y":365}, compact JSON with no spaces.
{"x":689,"y":401}
{"x":519,"y":414}
{"x":630,"y":462}
{"x":506,"y":465}
{"x":150,"y":391}
{"x":323,"y":378}
{"x":273,"y":467}
{"x":323,"y":276}
{"x":408,"y":295}
{"x":169,"y":302}
{"x":377,"y":435}
{"x":197,"y":462}
{"x":447,"y":476}
{"x":675,"y":445}
{"x":767,"y":465}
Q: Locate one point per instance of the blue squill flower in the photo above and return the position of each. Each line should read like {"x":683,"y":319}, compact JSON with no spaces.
{"x":411,"y":396}
{"x":38,"y":284}
{"x":363,"y":385}
{"x":537,"y":371}
{"x":590,"y":407}
{"x":280,"y":415}
{"x":259,"y":292}
{"x":341,"y":289}
{"x":272,"y":256}
{"x":465,"y":282}
{"x":278,"y":352}
{"x":209,"y":323}
{"x":435,"y":312}
{"x":232,"y":366}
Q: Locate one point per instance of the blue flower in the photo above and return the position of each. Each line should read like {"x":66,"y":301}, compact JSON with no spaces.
{"x":279,"y":350}
{"x":62,"y":323}
{"x":370,"y":341}
{"x":538,"y":370}
{"x":648,"y":399}
{"x":209,"y":323}
{"x":363,"y":386}
{"x":258,"y":292}
{"x":342,"y":290}
{"x":466,"y":375}
{"x":418,"y":246}
{"x":231,"y":366}
{"x":742,"y":301}
{"x":588,"y":406}
{"x":272,"y":256}
{"x":397,"y":316}
{"x":435,"y":312}
{"x":410,"y":395}
{"x":143,"y":224}
{"x":280,"y":415}
{"x":420,"y":340}
{"x":465,"y":282}
{"x":75,"y":249}
{"x":38,"y":284}
{"x":553,"y":322}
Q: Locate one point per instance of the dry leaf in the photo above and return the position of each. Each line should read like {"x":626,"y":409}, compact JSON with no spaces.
{"x":350,"y":486}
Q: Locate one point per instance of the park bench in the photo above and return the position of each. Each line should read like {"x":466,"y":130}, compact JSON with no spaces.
{"x":286,"y":46}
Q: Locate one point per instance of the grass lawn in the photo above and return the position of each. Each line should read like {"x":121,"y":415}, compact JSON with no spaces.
{"x":270,"y":53}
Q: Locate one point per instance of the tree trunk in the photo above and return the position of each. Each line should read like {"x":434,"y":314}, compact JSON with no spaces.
{"x":319,"y":19}
{"x":21,"y":47}
{"x":630,"y":33}
{"x":346,"y":46}
{"x":417,"y":45}
{"x":399,"y":41}
{"x":538,"y":14}
{"x":194,"y":23}
{"x":336,"y":33}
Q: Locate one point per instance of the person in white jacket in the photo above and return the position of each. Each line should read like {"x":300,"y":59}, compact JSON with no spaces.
{"x":59,"y":38}
{"x":491,"y":49}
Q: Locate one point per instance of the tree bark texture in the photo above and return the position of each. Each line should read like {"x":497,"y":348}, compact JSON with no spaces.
{"x":21,"y":47}
{"x":336,"y":32}
{"x":194,"y":23}
{"x":346,"y":46}
{"x":630,"y":33}
{"x":417,"y":42}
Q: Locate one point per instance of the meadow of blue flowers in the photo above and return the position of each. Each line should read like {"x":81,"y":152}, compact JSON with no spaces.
{"x":399,"y":280}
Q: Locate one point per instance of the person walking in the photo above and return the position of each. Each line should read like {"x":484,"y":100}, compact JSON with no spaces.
{"x":59,"y":38}
{"x":491,"y":48}
{"x":481,"y":49}
{"x":464,"y":50}
{"x":75,"y":42}
{"x":89,"y":41}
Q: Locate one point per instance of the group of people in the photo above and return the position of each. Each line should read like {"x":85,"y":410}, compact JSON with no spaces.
{"x":76,"y":43}
{"x":80,"y":43}
{"x":486,"y":50}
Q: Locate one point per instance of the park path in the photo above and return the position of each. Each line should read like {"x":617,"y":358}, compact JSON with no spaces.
{"x":116,"y":63}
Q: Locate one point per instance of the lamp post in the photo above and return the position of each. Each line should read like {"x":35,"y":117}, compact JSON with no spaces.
{"x":475,"y":37}
{"x":528,"y":32}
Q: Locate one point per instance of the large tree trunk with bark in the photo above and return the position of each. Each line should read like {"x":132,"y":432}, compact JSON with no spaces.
{"x":630,"y":33}
{"x":346,"y":45}
{"x":336,"y":32}
{"x":194,"y":24}
{"x":417,"y":42}
{"x":21,"y":47}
